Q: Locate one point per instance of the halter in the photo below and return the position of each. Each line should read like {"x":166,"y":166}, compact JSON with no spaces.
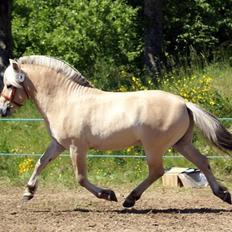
{"x":12,"y":96}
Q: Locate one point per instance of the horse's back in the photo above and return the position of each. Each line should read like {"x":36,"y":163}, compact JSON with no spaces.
{"x":153,"y":107}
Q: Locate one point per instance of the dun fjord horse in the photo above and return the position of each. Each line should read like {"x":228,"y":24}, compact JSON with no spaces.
{"x":80,"y":117}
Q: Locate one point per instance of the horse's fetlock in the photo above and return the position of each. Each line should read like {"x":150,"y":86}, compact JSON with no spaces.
{"x":31,"y":189}
{"x":29,"y":193}
{"x":134,"y":195}
{"x":81,"y":181}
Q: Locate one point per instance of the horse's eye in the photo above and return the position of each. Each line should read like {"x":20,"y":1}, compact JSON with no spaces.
{"x":9,"y":86}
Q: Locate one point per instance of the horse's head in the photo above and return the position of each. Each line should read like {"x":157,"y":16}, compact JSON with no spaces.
{"x":14,"y":92}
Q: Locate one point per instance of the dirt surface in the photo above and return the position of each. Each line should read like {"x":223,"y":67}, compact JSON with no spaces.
{"x":159,"y":209}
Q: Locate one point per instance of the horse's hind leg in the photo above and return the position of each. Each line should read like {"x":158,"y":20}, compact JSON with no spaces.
{"x":155,"y":171}
{"x":51,"y":153}
{"x":192,"y":154}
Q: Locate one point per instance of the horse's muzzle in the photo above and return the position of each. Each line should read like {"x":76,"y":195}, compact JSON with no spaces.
{"x":5,"y":111}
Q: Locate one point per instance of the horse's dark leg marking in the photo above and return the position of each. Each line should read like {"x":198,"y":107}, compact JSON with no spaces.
{"x":29,"y":193}
{"x":107,"y":194}
{"x":131,"y":199}
{"x":223,"y":194}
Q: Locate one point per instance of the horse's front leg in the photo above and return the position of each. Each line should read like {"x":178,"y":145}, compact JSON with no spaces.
{"x":53,"y":150}
{"x":78,"y":156}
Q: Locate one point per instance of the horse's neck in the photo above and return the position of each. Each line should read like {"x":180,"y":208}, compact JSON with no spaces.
{"x":50,"y":90}
{"x":40,"y":85}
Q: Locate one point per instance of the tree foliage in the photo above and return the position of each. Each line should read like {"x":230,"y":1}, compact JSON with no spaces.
{"x":5,"y":36}
{"x":202,"y":24}
{"x":81,"y":32}
{"x":104,"y":39}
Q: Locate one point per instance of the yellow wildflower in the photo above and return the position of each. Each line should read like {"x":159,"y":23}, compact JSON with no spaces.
{"x":26,"y":165}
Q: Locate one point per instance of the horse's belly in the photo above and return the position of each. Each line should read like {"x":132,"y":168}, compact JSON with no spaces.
{"x":116,"y":141}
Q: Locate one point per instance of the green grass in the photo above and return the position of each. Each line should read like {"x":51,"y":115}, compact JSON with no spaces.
{"x":32,"y":137}
{"x":222,"y":79}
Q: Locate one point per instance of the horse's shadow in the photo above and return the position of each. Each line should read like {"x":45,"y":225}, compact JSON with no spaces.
{"x":139,"y":211}
{"x":159,"y":211}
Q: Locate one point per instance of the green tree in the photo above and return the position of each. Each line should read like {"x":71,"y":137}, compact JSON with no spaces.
{"x":83,"y":33}
{"x":204,"y":25}
{"x":5,"y":36}
{"x":108,"y":41}
{"x":153,"y":49}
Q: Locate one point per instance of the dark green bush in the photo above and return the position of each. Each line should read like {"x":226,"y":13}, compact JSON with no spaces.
{"x":81,"y":32}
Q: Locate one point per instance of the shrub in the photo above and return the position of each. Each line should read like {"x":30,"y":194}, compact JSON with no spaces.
{"x":198,"y":89}
{"x":80,"y":32}
{"x":203,"y":24}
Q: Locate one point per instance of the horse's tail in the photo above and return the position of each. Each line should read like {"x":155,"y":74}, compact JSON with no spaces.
{"x":211,"y":127}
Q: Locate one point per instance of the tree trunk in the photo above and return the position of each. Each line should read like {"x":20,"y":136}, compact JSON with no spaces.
{"x":153,"y":36}
{"x":5,"y":36}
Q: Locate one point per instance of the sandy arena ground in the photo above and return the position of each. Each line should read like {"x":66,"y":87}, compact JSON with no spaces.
{"x":159,"y":209}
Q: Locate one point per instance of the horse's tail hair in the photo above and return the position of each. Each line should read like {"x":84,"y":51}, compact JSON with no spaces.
{"x":211,"y":127}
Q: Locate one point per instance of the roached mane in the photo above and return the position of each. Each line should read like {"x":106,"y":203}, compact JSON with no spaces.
{"x":57,"y":65}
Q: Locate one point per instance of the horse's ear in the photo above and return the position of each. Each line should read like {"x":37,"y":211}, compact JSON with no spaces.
{"x":15,"y":65}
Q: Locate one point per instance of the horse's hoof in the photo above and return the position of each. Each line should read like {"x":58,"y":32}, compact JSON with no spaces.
{"x":108,"y":195}
{"x":128,"y":203}
{"x":112,"y":196}
{"x":227,"y":197}
{"x":224,"y":194}
{"x":27,"y":198}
